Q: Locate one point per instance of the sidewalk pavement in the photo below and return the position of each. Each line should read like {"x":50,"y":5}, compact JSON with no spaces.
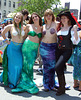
{"x":71,"y":94}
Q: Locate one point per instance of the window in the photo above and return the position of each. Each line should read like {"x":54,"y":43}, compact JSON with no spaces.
{"x":9,"y":3}
{"x":4,"y":13}
{"x":9,"y":11}
{"x":13,"y":4}
{"x":4,"y":2}
{"x":0,"y":2}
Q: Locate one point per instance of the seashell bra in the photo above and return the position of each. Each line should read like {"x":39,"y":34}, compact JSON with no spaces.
{"x":52,"y":31}
{"x":15,"y":33}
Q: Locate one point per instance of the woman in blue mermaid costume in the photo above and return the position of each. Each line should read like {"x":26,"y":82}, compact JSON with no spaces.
{"x":12,"y":68}
{"x":47,"y":50}
{"x":30,"y":50}
{"x":77,"y":64}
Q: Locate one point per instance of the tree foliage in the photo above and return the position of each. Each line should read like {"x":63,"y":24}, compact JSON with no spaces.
{"x":38,"y":6}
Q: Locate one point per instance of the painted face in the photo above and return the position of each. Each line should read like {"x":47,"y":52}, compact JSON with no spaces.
{"x":64,"y":19}
{"x":17,"y":18}
{"x":35,"y":18}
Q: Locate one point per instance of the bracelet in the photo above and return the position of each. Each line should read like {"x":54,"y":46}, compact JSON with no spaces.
{"x":5,"y":40}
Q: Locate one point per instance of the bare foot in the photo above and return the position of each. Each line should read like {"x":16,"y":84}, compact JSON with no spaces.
{"x":79,"y":86}
{"x":76,"y":84}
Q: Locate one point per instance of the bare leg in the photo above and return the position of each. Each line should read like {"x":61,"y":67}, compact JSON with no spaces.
{"x":76,"y":83}
{"x":80,"y":85}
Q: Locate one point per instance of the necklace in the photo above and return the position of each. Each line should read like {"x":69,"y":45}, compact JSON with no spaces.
{"x":48,"y":27}
{"x":36,"y":28}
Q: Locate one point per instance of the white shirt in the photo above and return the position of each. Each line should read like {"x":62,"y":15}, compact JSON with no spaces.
{"x":64,"y":33}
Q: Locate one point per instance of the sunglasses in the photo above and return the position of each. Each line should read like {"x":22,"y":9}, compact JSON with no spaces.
{"x":34,"y":17}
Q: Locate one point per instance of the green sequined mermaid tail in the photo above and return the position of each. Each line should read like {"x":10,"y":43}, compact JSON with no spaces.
{"x":26,"y":83}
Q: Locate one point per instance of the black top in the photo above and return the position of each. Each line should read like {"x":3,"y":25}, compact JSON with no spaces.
{"x":64,"y":42}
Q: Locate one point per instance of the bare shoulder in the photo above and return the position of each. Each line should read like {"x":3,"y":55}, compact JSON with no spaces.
{"x":27,"y":26}
{"x":8,"y":27}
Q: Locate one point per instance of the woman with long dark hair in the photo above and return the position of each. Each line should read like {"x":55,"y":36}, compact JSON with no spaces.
{"x":67,"y":35}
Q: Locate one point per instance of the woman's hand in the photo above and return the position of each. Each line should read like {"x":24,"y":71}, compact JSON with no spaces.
{"x":75,"y":31}
{"x":75,"y":28}
{"x":7,"y":41}
{"x":6,"y":29}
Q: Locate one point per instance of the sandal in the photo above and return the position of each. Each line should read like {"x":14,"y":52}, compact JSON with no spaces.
{"x":46,"y":90}
{"x":76,"y":86}
{"x":79,"y":90}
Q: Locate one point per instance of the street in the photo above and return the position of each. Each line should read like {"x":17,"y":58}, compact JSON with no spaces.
{"x":71,"y":94}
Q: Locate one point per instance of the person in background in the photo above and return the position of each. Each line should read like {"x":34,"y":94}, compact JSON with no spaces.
{"x":3,"y":25}
{"x":76,"y":62}
{"x":39,"y":59}
{"x":47,"y":50}
{"x":25,"y":16}
{"x":9,"y":34}
{"x":30,"y":50}
{"x":0,"y":30}
{"x":67,"y":35}
{"x":9,"y":22}
{"x":13,"y":54}
{"x":70,"y":61}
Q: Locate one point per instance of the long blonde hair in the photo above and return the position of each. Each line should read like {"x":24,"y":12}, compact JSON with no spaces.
{"x":20,"y":24}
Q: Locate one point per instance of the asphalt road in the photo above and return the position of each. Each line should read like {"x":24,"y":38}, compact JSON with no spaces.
{"x":71,"y":94}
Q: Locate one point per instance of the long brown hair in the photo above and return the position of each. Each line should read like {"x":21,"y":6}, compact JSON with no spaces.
{"x":31,"y":21}
{"x":49,"y":12}
{"x":61,"y":25}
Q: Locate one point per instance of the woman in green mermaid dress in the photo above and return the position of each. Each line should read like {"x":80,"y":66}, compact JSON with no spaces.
{"x":30,"y":50}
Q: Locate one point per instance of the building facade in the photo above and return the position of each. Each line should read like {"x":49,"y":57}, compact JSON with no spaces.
{"x":7,"y":6}
{"x":74,"y":11}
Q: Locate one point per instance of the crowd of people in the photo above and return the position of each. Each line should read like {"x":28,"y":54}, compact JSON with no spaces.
{"x":53,"y":41}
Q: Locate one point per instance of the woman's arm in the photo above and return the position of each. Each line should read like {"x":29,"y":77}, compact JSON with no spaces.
{"x":75,"y":35}
{"x":75,"y":32}
{"x":26,"y":29}
{"x":6,"y":29}
{"x":80,"y":34}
